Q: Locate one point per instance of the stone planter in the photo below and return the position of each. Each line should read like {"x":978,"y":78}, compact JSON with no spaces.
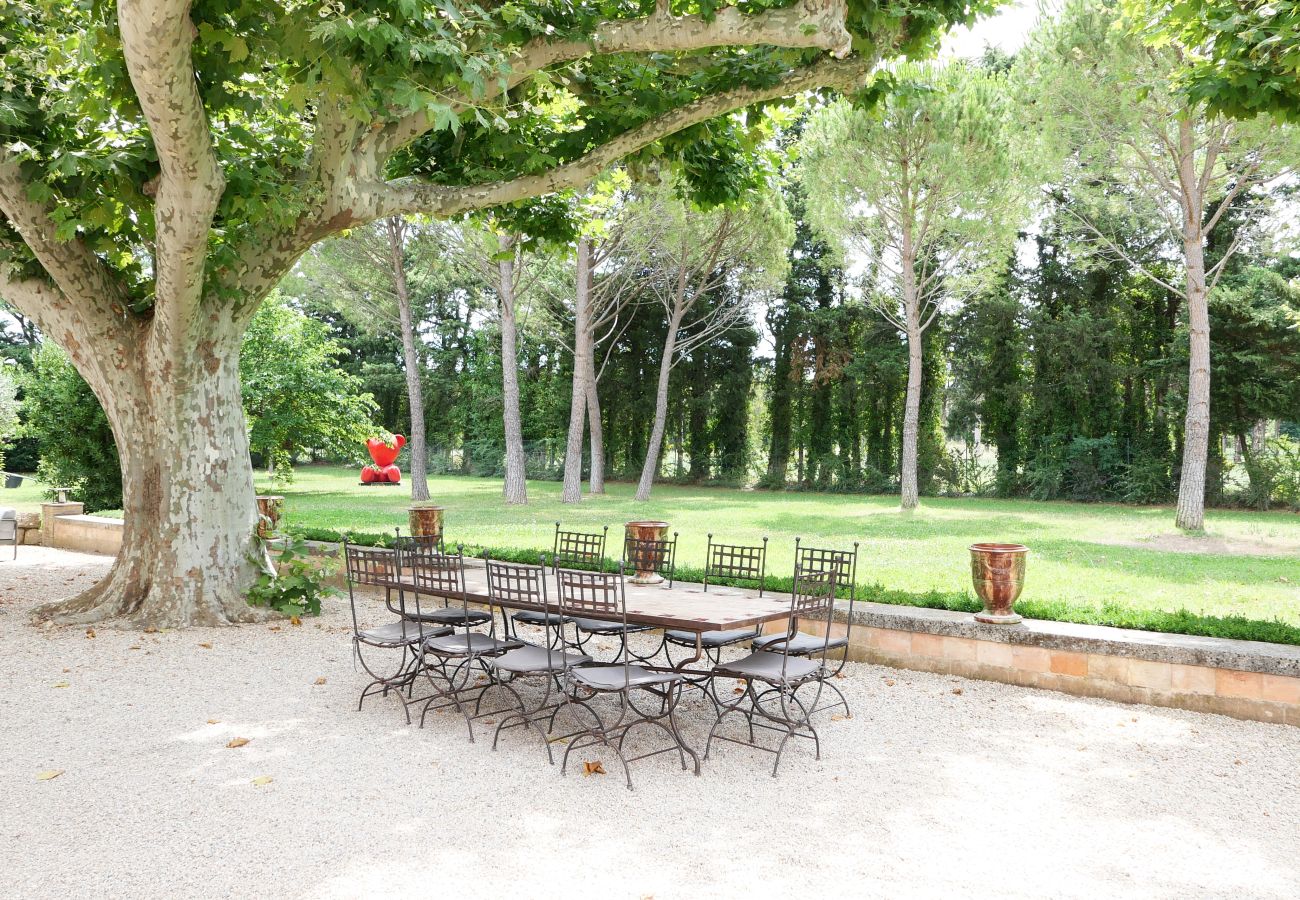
{"x":269,"y":507}
{"x":646,"y":563}
{"x":426,"y":521}
{"x":998,"y":573}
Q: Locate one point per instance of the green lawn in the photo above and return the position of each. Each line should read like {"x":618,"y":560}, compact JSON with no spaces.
{"x":26,"y":498}
{"x":1079,"y":558}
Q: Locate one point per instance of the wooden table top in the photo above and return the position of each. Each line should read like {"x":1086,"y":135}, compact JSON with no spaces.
{"x":684,"y":606}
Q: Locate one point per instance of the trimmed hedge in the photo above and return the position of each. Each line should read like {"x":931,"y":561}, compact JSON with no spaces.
{"x":1113,"y":614}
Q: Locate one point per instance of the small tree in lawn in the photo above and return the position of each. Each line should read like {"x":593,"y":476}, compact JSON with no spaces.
{"x":164,"y":163}
{"x":692,"y":253}
{"x":920,"y":187}
{"x":296,"y":398}
{"x":1109,"y":108}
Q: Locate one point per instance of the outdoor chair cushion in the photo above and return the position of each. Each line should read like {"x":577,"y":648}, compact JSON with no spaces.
{"x":531,"y":658}
{"x":600,"y":626}
{"x":767,"y":667}
{"x":711,"y":638}
{"x":395,"y":634}
{"x":468,"y":642}
{"x":802,"y":644}
{"x":534,"y":617}
{"x":451,"y":615}
{"x":617,"y":677}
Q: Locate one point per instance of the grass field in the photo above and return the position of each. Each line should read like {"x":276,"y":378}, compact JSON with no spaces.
{"x":1086,"y":556}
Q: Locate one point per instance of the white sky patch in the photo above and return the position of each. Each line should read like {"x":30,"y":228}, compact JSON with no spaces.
{"x":1007,"y":29}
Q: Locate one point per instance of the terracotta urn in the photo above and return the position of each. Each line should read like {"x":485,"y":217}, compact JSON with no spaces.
{"x":268,"y":514}
{"x":998,"y":572}
{"x":646,"y":563}
{"x":426,"y":520}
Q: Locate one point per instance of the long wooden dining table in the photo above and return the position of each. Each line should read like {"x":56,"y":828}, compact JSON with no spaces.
{"x":684,"y":607}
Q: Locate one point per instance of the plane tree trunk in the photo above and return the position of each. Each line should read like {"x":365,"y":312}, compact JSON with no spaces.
{"x":411,"y":360}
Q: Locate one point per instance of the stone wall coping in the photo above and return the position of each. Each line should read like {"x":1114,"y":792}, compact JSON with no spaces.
{"x":97,"y":521}
{"x":1157,"y":646}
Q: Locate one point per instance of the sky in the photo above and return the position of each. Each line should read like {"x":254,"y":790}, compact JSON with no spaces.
{"x":1007,"y":30}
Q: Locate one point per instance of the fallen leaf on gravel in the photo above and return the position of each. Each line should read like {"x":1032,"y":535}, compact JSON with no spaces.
{"x":205,"y":645}
{"x":48,"y":774}
{"x":134,"y":647}
{"x":739,"y":690}
{"x":60,"y":684}
{"x":889,"y":682}
{"x":320,"y":680}
{"x":214,"y":721}
{"x":957,"y":691}
{"x":840,"y":717}
{"x":90,"y":632}
{"x":592,"y":768}
{"x":489,"y":721}
{"x":557,"y":740}
{"x":67,"y":670}
{"x":274,"y":628}
{"x":236,"y":742}
{"x":840,"y":675}
{"x":294,"y":620}
{"x":151,"y":631}
{"x":263,"y":779}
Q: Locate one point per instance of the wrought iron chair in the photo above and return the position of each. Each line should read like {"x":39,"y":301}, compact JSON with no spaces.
{"x":571,"y":548}
{"x":736,"y":562}
{"x":514,"y":585}
{"x":448,"y":660}
{"x":639,"y":555}
{"x":844,"y":563}
{"x":379,"y":568}
{"x":435,"y":573}
{"x":778,"y":707}
{"x":601,"y":595}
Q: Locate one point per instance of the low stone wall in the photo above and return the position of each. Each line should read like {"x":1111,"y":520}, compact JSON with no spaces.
{"x":88,"y":534}
{"x":1244,"y":679}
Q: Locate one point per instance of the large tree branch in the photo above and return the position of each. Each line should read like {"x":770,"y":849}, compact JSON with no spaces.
{"x":156,"y":40}
{"x":816,"y":24}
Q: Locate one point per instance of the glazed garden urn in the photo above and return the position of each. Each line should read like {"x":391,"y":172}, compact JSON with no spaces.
{"x":646,"y":562}
{"x":998,"y":572}
{"x":426,"y":519}
{"x":268,"y":514}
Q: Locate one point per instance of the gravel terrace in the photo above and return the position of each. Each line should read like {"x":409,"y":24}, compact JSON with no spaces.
{"x":936,"y":786}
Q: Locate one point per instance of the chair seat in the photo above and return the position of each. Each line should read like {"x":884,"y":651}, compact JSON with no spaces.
{"x":531,"y":658}
{"x":711,"y":638}
{"x":534,"y":617}
{"x":451,"y":615}
{"x":618,"y":677}
{"x":802,"y":644}
{"x":468,"y":643}
{"x":767,"y":667}
{"x":600,"y":626}
{"x":399,"y":633}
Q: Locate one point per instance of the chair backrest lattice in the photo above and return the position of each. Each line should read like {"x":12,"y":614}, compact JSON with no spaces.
{"x":844,"y":563}
{"x":517,"y":585}
{"x":591,"y":595}
{"x":739,"y":562}
{"x":812,"y":600}
{"x":579,"y":547}
{"x":369,"y":565}
{"x":441,"y":574}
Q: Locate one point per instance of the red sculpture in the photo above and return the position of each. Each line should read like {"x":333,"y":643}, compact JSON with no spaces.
{"x":383,"y":453}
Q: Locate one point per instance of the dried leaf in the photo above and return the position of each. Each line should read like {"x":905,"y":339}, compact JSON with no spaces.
{"x":151,"y":631}
{"x":592,"y":768}
{"x":840,"y":717}
{"x":48,"y":774}
{"x":889,"y":682}
{"x":205,"y":645}
{"x":90,"y":632}
{"x":274,"y":628}
{"x":134,"y":647}
{"x":60,"y":684}
{"x":294,"y":620}
{"x":957,"y":691}
{"x":236,"y":742}
{"x":66,"y":671}
{"x":214,"y":721}
{"x":739,"y":690}
{"x":263,"y":779}
{"x":320,"y":680}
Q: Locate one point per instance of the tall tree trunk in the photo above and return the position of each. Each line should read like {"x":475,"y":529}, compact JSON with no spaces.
{"x":515,"y":489}
{"x":189,"y":553}
{"x":651,"y":467}
{"x":596,"y":479}
{"x":582,"y":363}
{"x":414,"y":390}
{"x":1196,"y":429}
{"x":909,"y":495}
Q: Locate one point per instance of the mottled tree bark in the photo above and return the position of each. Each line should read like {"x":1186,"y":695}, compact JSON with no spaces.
{"x":515,"y":489}
{"x":651,"y":467}
{"x":396,"y":229}
{"x":571,"y":491}
{"x":596,"y":478}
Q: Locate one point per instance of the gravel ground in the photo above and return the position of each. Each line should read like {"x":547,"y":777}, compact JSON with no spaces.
{"x":936,"y":786}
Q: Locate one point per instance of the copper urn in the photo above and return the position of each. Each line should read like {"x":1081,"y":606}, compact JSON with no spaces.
{"x":998,"y":572}
{"x":426,"y":521}
{"x":269,"y":507}
{"x":646,"y":562}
